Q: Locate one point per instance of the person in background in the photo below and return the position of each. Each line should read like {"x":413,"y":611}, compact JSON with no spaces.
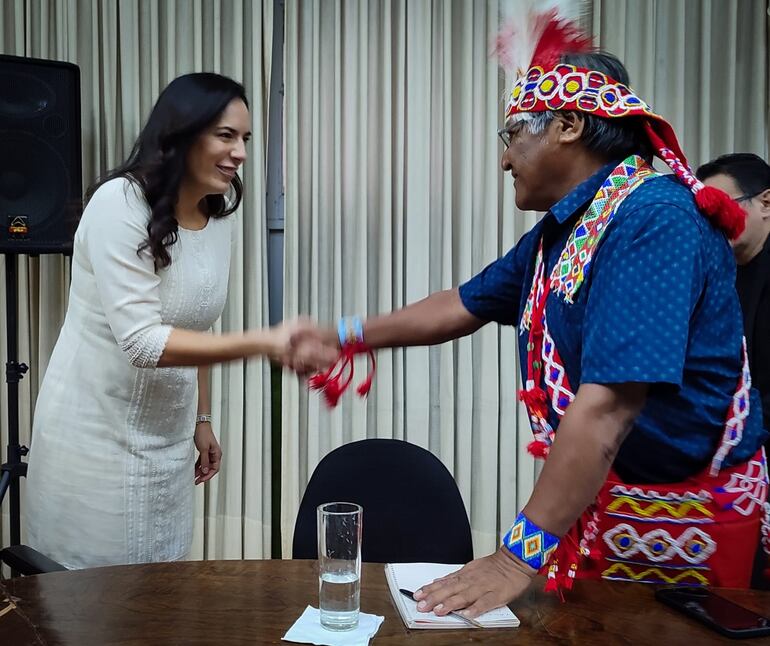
{"x":746,"y":178}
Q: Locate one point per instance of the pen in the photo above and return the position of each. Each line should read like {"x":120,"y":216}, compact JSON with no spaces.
{"x":467,"y":620}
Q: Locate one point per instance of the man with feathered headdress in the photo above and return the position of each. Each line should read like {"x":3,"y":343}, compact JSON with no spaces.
{"x":636,"y":380}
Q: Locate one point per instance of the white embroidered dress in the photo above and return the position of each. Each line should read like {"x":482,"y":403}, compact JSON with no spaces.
{"x":112,"y":457}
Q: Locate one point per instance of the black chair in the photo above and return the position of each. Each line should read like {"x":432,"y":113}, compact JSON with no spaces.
{"x":26,"y":561}
{"x":413,"y":511}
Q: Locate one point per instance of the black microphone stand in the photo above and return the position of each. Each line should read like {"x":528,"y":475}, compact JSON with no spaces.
{"x":13,"y":469}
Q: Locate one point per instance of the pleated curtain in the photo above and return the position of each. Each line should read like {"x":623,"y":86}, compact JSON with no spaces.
{"x":128,"y":51}
{"x":393,"y":190}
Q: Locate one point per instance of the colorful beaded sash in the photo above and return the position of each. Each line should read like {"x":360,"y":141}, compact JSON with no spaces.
{"x":575,"y":259}
{"x":566,"y":278}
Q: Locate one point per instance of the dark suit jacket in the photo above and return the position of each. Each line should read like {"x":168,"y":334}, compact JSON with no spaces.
{"x":753,"y":285}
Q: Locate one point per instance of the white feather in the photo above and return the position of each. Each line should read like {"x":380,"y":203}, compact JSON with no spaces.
{"x":519,"y":32}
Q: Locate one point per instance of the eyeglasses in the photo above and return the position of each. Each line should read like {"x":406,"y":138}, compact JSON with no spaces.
{"x":505,"y":136}
{"x":744,"y":198}
{"x":508,"y":133}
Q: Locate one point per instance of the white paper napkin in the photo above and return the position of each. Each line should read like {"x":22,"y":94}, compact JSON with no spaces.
{"x":308,"y":630}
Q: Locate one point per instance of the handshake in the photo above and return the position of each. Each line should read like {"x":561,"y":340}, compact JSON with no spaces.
{"x":303,"y":346}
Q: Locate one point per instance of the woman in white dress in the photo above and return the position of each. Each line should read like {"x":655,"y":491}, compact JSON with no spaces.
{"x":112,"y":462}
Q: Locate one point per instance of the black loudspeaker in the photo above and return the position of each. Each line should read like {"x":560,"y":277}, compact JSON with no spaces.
{"x":40,"y":171}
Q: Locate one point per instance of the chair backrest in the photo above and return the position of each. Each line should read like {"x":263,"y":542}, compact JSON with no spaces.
{"x":413,"y":510}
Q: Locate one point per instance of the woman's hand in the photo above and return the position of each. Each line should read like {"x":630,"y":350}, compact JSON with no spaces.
{"x":301,"y":345}
{"x":209,"y":453}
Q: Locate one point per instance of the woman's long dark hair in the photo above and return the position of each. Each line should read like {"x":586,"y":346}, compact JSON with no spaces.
{"x":187,"y":106}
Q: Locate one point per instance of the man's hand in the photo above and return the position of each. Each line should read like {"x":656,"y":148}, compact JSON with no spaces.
{"x":209,"y":453}
{"x":303,"y":346}
{"x":482,"y":585}
{"x":311,"y":347}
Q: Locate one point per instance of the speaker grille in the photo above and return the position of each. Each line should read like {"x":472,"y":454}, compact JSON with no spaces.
{"x":40,"y":174}
{"x":23,"y":96}
{"x":33,"y":179}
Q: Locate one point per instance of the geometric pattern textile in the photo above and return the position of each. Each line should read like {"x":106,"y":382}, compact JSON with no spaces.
{"x":567,"y":87}
{"x":658,"y":545}
{"x":737,"y":414}
{"x":747,"y":488}
{"x":672,"y":511}
{"x":530,"y":543}
{"x":573,"y":264}
{"x":555,"y":376}
{"x":704,"y":531}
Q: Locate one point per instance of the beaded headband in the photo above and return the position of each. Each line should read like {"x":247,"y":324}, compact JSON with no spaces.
{"x":550,"y":85}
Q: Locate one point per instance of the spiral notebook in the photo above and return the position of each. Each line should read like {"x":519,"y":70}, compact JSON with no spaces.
{"x":412,"y":576}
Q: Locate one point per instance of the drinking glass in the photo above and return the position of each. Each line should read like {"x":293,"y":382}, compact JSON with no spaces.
{"x":339,"y":564}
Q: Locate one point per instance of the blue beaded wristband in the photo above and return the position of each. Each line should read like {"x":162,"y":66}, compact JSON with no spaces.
{"x":350,"y":329}
{"x":530,"y":543}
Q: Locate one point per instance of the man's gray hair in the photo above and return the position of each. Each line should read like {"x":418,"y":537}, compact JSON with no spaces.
{"x":537,"y":122}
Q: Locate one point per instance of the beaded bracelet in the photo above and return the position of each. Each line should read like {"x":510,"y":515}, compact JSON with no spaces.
{"x":350,"y":329}
{"x":530,"y":543}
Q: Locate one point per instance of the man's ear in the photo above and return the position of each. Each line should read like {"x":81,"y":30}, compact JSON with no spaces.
{"x":569,"y":127}
{"x":764,"y":201}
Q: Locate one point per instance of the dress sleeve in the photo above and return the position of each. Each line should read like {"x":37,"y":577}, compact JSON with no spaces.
{"x":115,"y":227}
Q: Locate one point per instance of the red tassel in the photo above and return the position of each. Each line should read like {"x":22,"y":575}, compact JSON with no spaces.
{"x":533,"y":398}
{"x":366,"y":384}
{"x":318,"y":381}
{"x":714,"y":203}
{"x":335,"y":381}
{"x":720,"y":207}
{"x":552,"y":585}
{"x":564,"y":579}
{"x":538,"y":449}
{"x":331,"y":393}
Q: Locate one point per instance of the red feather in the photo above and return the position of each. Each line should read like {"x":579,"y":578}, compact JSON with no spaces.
{"x":559,"y":37}
{"x":726,"y":213}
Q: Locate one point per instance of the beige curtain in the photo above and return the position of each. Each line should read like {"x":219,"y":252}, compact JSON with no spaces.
{"x":700,"y":63}
{"x":394,"y":191}
{"x":128,"y":50}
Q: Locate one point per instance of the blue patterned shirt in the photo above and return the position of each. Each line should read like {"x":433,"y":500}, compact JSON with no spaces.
{"x":658,"y":306}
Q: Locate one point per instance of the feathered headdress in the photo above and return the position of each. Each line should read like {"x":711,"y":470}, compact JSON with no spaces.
{"x":530,"y":47}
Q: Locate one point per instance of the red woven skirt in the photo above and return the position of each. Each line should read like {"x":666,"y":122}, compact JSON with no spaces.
{"x":703,"y":531}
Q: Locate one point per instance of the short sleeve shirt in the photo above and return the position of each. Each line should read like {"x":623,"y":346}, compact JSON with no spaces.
{"x":657,"y":306}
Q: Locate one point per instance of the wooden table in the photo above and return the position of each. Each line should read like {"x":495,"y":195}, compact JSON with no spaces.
{"x":255,"y":602}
